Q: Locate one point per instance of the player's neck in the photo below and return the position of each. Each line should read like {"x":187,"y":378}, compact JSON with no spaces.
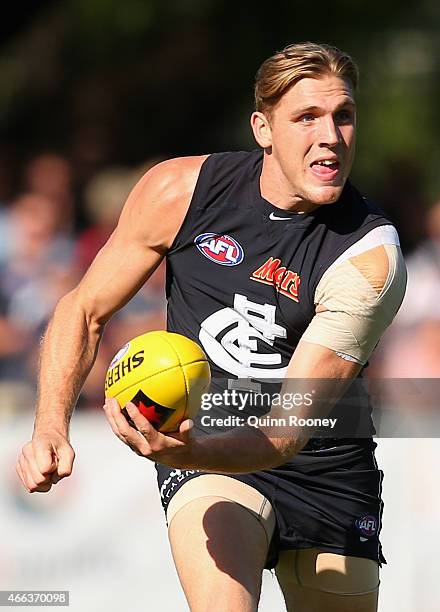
{"x":275,"y":188}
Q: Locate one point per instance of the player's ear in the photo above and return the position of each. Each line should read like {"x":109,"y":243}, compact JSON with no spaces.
{"x":261,"y":128}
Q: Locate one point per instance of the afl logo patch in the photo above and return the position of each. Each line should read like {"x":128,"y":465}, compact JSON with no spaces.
{"x":119,"y":355}
{"x":220,"y":248}
{"x":367,"y":525}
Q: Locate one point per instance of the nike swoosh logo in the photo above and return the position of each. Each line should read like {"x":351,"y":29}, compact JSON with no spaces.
{"x":273,"y":217}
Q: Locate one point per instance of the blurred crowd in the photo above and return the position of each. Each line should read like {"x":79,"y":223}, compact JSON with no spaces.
{"x":50,"y":231}
{"x":51,"y":227}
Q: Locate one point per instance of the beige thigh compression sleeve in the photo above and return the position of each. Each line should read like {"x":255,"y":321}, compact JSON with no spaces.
{"x":357,"y":298}
{"x":328,"y":572}
{"x":217,"y":485}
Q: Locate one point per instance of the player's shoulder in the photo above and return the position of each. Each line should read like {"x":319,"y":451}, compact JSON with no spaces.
{"x":177,"y":175}
{"x":159,"y":202}
{"x":167,"y":187}
{"x":189,"y":167}
{"x":180,"y":167}
{"x":374,"y":249}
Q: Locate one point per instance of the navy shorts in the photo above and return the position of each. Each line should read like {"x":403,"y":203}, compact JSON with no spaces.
{"x":327,"y":498}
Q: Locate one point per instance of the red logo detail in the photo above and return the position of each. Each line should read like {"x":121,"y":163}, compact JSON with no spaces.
{"x":367,"y":525}
{"x":150,"y":414}
{"x":220,"y":248}
{"x":273,"y":273}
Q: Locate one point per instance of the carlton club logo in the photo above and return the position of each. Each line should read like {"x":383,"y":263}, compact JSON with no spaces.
{"x":273,"y":273}
{"x":220,"y":248}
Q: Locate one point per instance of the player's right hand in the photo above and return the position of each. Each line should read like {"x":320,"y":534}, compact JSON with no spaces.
{"x":44,"y":461}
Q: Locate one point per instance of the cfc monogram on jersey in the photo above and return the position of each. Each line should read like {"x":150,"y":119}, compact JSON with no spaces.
{"x":230,"y":338}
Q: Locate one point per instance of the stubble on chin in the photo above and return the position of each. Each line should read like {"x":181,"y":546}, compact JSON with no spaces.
{"x":323,"y":196}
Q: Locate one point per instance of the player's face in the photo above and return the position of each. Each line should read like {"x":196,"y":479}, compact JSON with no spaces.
{"x":311,"y":142}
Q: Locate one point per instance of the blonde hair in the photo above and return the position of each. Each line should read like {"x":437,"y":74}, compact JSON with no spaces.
{"x":281,"y":71}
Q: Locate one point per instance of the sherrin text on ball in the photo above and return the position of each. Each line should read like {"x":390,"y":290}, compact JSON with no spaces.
{"x":164,"y":374}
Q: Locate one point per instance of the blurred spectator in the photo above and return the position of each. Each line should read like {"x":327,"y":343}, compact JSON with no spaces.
{"x":402,"y":196}
{"x":422,"y":300}
{"x":411,"y":348}
{"x":50,"y":175}
{"x":7,"y":174}
{"x":35,"y":272}
{"x":104,"y":195}
{"x":41,"y":260}
{"x":39,"y":256}
{"x":414,"y":352}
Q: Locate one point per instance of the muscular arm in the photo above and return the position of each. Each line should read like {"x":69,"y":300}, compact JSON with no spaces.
{"x":355,"y":303}
{"x":312,"y":367}
{"x":148,"y":224}
{"x":246,"y":449}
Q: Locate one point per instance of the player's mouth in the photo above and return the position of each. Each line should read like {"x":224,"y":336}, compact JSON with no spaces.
{"x":326,"y":169}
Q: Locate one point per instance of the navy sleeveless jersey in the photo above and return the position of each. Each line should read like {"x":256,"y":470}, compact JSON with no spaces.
{"x":242,"y":273}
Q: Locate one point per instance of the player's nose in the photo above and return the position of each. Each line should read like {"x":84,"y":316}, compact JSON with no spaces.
{"x":329,"y":135}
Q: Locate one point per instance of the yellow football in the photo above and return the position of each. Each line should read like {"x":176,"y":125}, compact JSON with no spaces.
{"x":164,"y":374}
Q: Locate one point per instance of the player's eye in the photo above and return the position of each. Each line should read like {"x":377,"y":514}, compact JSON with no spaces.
{"x":344,"y":117}
{"x":308,"y":118}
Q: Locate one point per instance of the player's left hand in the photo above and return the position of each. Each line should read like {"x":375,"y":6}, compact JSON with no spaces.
{"x":174,"y":449}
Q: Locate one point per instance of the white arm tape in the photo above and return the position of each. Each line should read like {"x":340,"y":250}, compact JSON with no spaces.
{"x":359,"y":297}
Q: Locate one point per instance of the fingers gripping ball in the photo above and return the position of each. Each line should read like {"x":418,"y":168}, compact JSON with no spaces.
{"x":163,"y":374}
